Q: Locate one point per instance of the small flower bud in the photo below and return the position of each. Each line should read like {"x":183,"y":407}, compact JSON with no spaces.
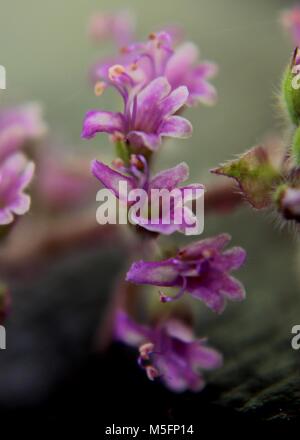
{"x":256,"y":172}
{"x":288,"y":200}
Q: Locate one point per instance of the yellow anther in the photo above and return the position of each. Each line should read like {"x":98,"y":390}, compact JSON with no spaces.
{"x":99,"y":88}
{"x":133,"y":66}
{"x":152,"y":372}
{"x":207,"y":253}
{"x":115,"y":71}
{"x":118,"y":162}
{"x":124,"y":50}
{"x":152,"y":36}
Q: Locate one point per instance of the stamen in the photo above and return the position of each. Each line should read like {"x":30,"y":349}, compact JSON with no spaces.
{"x":134,"y":111}
{"x":115,"y":71}
{"x":136,"y":162}
{"x":152,"y":36}
{"x":145,"y":350}
{"x":133,"y":66}
{"x":118,"y":163}
{"x":152,"y":372}
{"x":117,"y":137}
{"x":124,"y":50}
{"x":165,"y":298}
{"x":99,"y":88}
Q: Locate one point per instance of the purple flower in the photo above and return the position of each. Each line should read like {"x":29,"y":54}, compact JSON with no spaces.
{"x":176,"y":216}
{"x":117,"y":26}
{"x":15,"y":175}
{"x":201,"y":268}
{"x":291,"y":22}
{"x":182,"y":69}
{"x":18,"y":126}
{"x":156,"y":58}
{"x":148,"y":114}
{"x":170,"y":352}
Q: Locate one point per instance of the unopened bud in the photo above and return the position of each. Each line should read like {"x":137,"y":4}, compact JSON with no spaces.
{"x":288,"y":201}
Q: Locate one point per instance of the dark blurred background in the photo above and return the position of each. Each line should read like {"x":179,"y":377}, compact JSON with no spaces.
{"x":51,"y":364}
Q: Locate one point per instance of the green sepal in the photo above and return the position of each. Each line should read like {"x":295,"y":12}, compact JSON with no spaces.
{"x":296,"y":146}
{"x":122,"y":151}
{"x":256,"y":174}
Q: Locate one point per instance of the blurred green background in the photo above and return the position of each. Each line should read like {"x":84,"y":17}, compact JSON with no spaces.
{"x":47,"y":54}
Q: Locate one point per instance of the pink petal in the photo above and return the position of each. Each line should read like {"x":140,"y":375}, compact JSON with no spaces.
{"x":142,"y":139}
{"x":195,"y":250}
{"x":161,"y":228}
{"x":99,"y":121}
{"x":111,"y":179}
{"x":214,"y":300}
{"x":21,"y":204}
{"x":172,"y":103}
{"x":180,"y":63}
{"x":148,"y":100}
{"x":231,"y":259}
{"x":204,"y":357}
{"x":6,"y":216}
{"x":233,"y":289}
{"x":206,"y":70}
{"x":171,"y":177}
{"x":202,"y":92}
{"x":176,"y":126}
{"x":129,"y":331}
{"x":157,"y":273}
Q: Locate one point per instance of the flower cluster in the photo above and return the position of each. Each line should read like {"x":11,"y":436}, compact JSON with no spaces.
{"x":156,"y":81}
{"x":140,"y":63}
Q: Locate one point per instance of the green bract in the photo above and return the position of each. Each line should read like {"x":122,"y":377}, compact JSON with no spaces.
{"x":256,"y":173}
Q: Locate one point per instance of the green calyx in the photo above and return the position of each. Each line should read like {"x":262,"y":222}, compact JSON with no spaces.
{"x":278,"y":193}
{"x":291,"y":89}
{"x":256,"y":175}
{"x":296,"y":146}
{"x":122,"y":151}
